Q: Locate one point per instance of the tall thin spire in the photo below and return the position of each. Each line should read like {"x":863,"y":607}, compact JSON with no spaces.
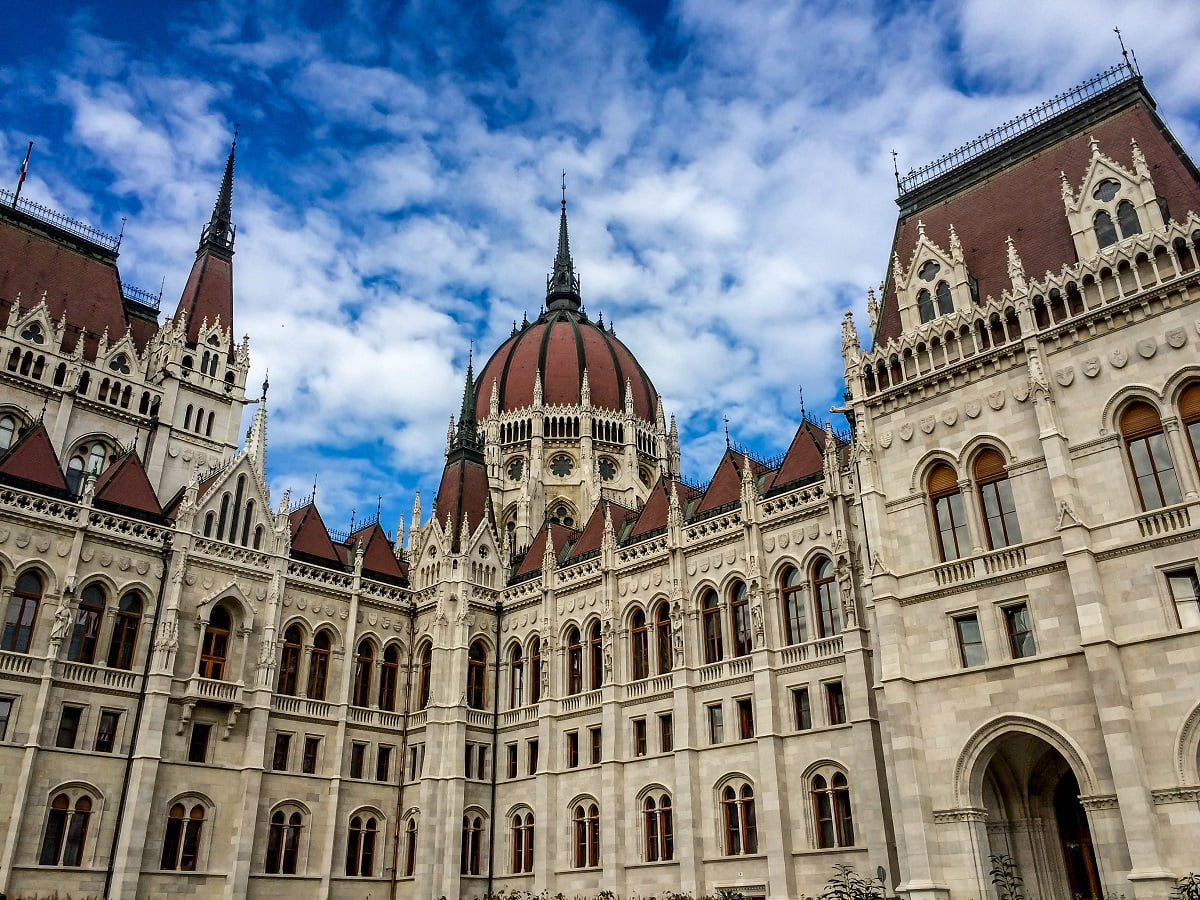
{"x":466,"y":435}
{"x":220,"y":230}
{"x":562,"y":285}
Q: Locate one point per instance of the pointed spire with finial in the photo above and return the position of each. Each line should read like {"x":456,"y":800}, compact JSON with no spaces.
{"x":220,"y":230}
{"x":464,"y":437}
{"x":256,"y":440}
{"x":562,"y":284}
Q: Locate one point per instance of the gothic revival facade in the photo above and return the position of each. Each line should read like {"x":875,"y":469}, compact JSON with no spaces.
{"x":967,"y":626}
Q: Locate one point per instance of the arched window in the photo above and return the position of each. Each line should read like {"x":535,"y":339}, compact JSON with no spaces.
{"x":214,"y":649}
{"x":423,"y":682}
{"x":22,"y":612}
{"x":389,"y":677}
{"x":181,"y":840}
{"x":522,"y":842}
{"x":74,"y":474}
{"x":1127,"y":218}
{"x":995,"y":495}
{"x":125,"y":629}
{"x":948,"y":512}
{"x":1189,"y":414}
{"x":1106,"y":232}
{"x":663,"y":638}
{"x":87,"y":625}
{"x":516,"y":678}
{"x":66,"y":831}
{"x":318,"y":666}
{"x":410,"y":847}
{"x":739,"y":614}
{"x":1149,"y":457}
{"x":714,"y":650}
{"x":741,"y":826}
{"x":596,"y":655}
{"x":476,"y":675}
{"x":364,"y":661}
{"x":659,"y":828}
{"x":535,"y":670}
{"x":944,"y":301}
{"x":795,"y":617}
{"x":574,"y":661}
{"x":639,"y":646}
{"x":586,"y":817}
{"x":289,"y":662}
{"x":360,"y":847}
{"x":825,"y":591}
{"x":831,"y":809}
{"x":470,"y":859}
{"x":8,"y":430}
{"x":283,"y":842}
{"x":925,"y":305}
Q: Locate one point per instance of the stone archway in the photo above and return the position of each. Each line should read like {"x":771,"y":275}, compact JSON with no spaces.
{"x":1033,"y":814}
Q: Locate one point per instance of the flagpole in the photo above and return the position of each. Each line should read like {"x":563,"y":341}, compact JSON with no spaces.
{"x":21,"y":179}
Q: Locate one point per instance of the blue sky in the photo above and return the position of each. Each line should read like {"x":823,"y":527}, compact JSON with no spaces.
{"x":729,"y":177}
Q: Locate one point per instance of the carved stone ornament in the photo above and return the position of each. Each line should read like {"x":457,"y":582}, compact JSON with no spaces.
{"x":1147,"y":347}
{"x":1118,"y":358}
{"x":974,"y":407}
{"x":769,"y":544}
{"x":784,"y":540}
{"x":885,"y":439}
{"x":1176,"y":338}
{"x":927,"y":423}
{"x":1021,"y":393}
{"x":950,"y":416}
{"x":906,"y":431}
{"x":1091,"y":367}
{"x":1065,"y":376}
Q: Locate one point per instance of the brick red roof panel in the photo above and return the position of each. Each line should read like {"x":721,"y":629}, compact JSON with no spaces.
{"x":208,"y":294}
{"x":32,"y":460}
{"x":126,"y":484}
{"x":804,"y":457}
{"x":311,"y":537}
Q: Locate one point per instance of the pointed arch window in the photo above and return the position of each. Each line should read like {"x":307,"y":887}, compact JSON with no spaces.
{"x":283,"y":842}
{"x":423,"y":681}
{"x":1106,"y":232}
{"x":516,"y":678}
{"x":1127,"y":219}
{"x":710,"y":606}
{"x":596,"y":655}
{"x":995,"y":496}
{"x":659,"y":828}
{"x":66,"y":831}
{"x":522,"y":842}
{"x":360,"y":847}
{"x":364,"y":662}
{"x":586,"y":818}
{"x":22,"y":613}
{"x":825,"y":591}
{"x":739,"y":613}
{"x":945,"y":303}
{"x":214,"y":649}
{"x":574,"y":661}
{"x":925,"y":305}
{"x":639,"y":646}
{"x":535,"y":670}
{"x":389,"y":677}
{"x":8,"y":430}
{"x":470,"y":860}
{"x":181,"y":839}
{"x":663,"y":638}
{"x":87,"y":625}
{"x":741,"y":824}
{"x":410,"y":847}
{"x":289,"y":661}
{"x":795,"y":618}
{"x":476,"y":675}
{"x":831,"y":809}
{"x":1149,"y":456}
{"x":318,"y":665}
{"x":125,"y":630}
{"x":948,"y":513}
{"x":1189,"y":414}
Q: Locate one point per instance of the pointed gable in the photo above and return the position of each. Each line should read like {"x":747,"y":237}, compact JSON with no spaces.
{"x":654,"y":513}
{"x":805,"y":456}
{"x":379,"y":558}
{"x":726,"y":484}
{"x":208,"y":294}
{"x":563,"y":538}
{"x":310,"y":537}
{"x":32,"y":463}
{"x":125,"y":487}
{"x":592,"y":535}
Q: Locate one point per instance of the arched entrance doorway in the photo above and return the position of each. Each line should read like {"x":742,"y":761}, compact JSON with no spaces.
{"x":1034,"y":816}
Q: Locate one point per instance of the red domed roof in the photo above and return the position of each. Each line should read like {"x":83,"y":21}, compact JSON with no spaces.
{"x":561,"y":344}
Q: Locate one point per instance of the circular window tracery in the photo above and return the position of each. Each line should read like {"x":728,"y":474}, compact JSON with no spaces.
{"x":1106,"y":190}
{"x":562,"y":465}
{"x":608,"y":469}
{"x":929,"y":270}
{"x":516,"y":468}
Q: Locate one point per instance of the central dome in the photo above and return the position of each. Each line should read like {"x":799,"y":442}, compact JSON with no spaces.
{"x":561,"y":344}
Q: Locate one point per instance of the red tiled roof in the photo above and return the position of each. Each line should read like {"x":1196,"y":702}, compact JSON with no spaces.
{"x":592,"y":535}
{"x":32,"y":461}
{"x":654,"y":513}
{"x":726,"y":484}
{"x":208,"y":293}
{"x":125,"y":484}
{"x":805,"y":456}
{"x":311,"y":537}
{"x":562,"y":536}
{"x":378,"y":556}
{"x":463,"y":491}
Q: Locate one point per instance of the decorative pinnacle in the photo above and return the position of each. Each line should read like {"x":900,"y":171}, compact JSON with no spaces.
{"x":220,"y":230}
{"x":562,"y":284}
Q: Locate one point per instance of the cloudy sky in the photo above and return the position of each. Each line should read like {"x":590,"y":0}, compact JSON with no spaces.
{"x":729,"y":177}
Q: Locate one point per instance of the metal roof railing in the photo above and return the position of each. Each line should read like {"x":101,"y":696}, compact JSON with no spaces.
{"x":64,"y":223}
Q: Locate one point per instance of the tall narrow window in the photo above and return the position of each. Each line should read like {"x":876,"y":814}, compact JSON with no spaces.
{"x":410,"y":847}
{"x":535,"y":670}
{"x":1106,"y":232}
{"x":360,"y":847}
{"x":663,"y":638}
{"x":925,"y":305}
{"x":522,"y":842}
{"x":87,"y":625}
{"x":472,"y":839}
{"x":289,"y":661}
{"x":516,"y":678}
{"x":831,"y":809}
{"x":741,"y":825}
{"x":639,"y":646}
{"x":801,"y":709}
{"x":318,"y":666}
{"x":1127,"y":218}
{"x":1189,"y":414}
{"x":283,"y":842}
{"x":944,"y":301}
{"x":739,"y":613}
{"x":364,"y":661}
{"x":1020,"y":631}
{"x":970,"y":642}
{"x":795,"y":622}
{"x":574,"y":661}
{"x":22,"y":612}
{"x":106,"y":731}
{"x":424,"y":682}
{"x":1149,"y":456}
{"x":1184,"y":585}
{"x":995,"y":495}
{"x":835,"y":703}
{"x":587,"y":835}
{"x":389,"y":676}
{"x":948,"y":512}
{"x":711,"y":614}
{"x":214,"y":650}
{"x":596,"y":655}
{"x":66,"y":832}
{"x":829,"y":607}
{"x":125,"y":630}
{"x":181,"y":839}
{"x":476,"y":675}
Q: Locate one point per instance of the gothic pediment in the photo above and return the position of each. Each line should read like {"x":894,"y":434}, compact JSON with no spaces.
{"x":935,"y":283}
{"x":1112,"y":203}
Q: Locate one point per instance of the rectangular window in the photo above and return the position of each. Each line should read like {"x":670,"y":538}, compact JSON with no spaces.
{"x":639,"y":737}
{"x":1185,"y":591}
{"x":511,"y":752}
{"x":716,"y":724}
{"x":106,"y":732}
{"x":6,"y":705}
{"x":468,"y":760}
{"x":666,"y":732}
{"x":358,"y":756}
{"x":312,"y":749}
{"x":1020,"y":630}
{"x":68,"y":726}
{"x":532,"y":755}
{"x":835,"y":703}
{"x":481,"y":762}
{"x":572,"y":749}
{"x":970,"y":641}
{"x":383,"y":763}
{"x":596,"y":736}
{"x":745,"y":715}
{"x":198,"y":744}
{"x":801,"y":709}
{"x":416,"y":760}
{"x":279,"y":757}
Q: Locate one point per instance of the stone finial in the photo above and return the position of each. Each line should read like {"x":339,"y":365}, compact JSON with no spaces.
{"x":548,"y":557}
{"x":832,"y":465}
{"x":872,"y":309}
{"x":464,"y":534}
{"x":1068,"y":195}
{"x":537,"y":388}
{"x":920,"y":229}
{"x":609,"y":539}
{"x":585,"y":389}
{"x":1016,"y":269}
{"x":849,"y":335}
{"x":897,"y":268}
{"x":450,"y":435}
{"x":628,"y":396}
{"x":416,"y":512}
{"x":1094,"y":146}
{"x":956,"y":250}
{"x":494,"y":400}
{"x":1139,"y":159}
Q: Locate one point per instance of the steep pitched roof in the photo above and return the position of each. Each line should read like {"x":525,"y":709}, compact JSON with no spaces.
{"x":726,"y":484}
{"x":805,"y":456}
{"x":31,"y":462}
{"x":463,"y":492}
{"x":562,"y":536}
{"x":310,"y":537}
{"x":379,"y":558}
{"x":125,"y":486}
{"x":654,"y":513}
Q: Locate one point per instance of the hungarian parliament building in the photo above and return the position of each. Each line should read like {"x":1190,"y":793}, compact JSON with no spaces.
{"x":960,"y":629}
